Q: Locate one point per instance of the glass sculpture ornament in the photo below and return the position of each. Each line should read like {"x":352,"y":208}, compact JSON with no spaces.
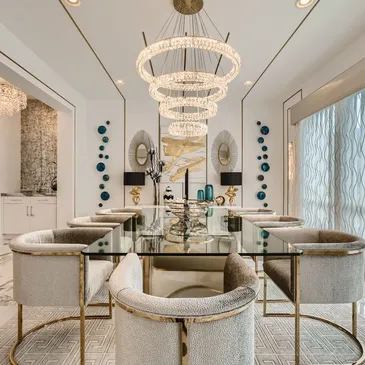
{"x":101,"y":129}
{"x":260,"y":140}
{"x":265,"y":130}
{"x":265,"y":167}
{"x":100,"y":166}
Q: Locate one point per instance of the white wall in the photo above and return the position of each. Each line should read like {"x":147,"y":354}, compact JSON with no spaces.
{"x":10,"y":154}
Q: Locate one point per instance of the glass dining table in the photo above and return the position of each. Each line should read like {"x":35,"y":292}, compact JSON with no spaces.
{"x":193,"y":231}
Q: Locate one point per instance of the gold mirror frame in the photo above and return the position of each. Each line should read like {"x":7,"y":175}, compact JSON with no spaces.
{"x":138,"y":158}
{"x":220,"y":158}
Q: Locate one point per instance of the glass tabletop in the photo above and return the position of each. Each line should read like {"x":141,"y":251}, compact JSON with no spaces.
{"x":197,"y":229}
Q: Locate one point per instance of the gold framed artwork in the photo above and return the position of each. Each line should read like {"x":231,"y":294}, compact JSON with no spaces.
{"x":181,"y":153}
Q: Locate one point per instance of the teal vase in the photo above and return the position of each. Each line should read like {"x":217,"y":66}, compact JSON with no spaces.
{"x":200,"y":195}
{"x":209,"y":192}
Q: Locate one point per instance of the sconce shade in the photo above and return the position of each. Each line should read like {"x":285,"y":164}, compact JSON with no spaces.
{"x":231,"y":178}
{"x":134,"y":178}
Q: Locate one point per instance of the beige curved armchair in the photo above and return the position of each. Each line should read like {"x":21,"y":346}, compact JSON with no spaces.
{"x":250,"y":211}
{"x":160,"y":331}
{"x":274,"y":221}
{"x":119,"y":211}
{"x":49,"y":270}
{"x":330,"y":271}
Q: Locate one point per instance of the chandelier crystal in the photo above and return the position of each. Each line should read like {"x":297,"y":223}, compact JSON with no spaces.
{"x":192,"y":77}
{"x":12,"y":99}
{"x":188,"y":129}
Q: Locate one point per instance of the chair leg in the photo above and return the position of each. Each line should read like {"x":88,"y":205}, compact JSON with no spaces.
{"x":354,"y":319}
{"x":110,"y":306}
{"x":20,"y":322}
{"x":82,"y":310}
{"x":264,"y":303}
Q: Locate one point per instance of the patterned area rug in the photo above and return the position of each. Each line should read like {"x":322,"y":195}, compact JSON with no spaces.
{"x":59,"y":344}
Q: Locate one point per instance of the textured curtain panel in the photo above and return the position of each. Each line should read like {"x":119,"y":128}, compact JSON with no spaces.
{"x":331,"y":186}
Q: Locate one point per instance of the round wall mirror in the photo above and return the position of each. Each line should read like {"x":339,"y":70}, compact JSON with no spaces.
{"x":224,"y":154}
{"x":141,"y":154}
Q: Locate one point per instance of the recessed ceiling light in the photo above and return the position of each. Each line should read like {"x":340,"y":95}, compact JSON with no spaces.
{"x":73,"y":2}
{"x":304,"y":3}
{"x":120,"y":82}
{"x":248,"y":83}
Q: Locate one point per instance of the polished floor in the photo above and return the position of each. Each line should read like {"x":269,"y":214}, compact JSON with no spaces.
{"x":58,"y":344}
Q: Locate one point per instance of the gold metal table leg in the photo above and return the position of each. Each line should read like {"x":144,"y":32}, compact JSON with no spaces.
{"x":20,"y":322}
{"x":264,"y":305}
{"x":297,"y":310}
{"x":147,"y":274}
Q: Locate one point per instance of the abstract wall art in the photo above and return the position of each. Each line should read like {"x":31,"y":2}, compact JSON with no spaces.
{"x":101,"y":165}
{"x":264,"y":166}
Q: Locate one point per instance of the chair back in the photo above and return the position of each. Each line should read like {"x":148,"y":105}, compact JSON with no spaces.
{"x":210,"y":330}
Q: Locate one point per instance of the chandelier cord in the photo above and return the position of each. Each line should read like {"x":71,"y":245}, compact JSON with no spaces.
{"x":213,"y":24}
{"x":171,"y":16}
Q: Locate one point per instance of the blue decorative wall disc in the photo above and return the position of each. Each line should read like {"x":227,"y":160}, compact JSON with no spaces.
{"x":101,"y":148}
{"x":106,"y":177}
{"x":104,"y":195}
{"x":260,"y":140}
{"x":100,"y":166}
{"x":264,"y":148}
{"x":261,"y":195}
{"x":265,"y":167}
{"x":265,"y":130}
{"x":101,"y":129}
{"x":265,"y":234}
{"x":264,"y":186}
{"x":260,"y":178}
{"x":105,"y":139}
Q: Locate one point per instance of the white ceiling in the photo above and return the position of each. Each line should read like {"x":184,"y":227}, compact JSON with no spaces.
{"x":258,"y":28}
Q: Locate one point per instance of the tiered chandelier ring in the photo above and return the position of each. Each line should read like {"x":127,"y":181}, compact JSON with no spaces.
{"x":195,"y":42}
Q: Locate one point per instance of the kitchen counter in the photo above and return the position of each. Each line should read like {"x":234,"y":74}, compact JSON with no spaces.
{"x":27,"y":195}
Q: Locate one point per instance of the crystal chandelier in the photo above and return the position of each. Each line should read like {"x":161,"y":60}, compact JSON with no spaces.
{"x":12,"y":99}
{"x":192,"y":78}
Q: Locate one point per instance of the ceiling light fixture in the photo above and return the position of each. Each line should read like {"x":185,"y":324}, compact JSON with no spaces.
{"x":120,"y":82}
{"x":12,"y":99}
{"x":192,"y":78}
{"x":73,"y":2}
{"x":248,"y":83}
{"x":304,"y":3}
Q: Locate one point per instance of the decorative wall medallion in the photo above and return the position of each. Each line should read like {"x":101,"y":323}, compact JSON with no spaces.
{"x":104,"y":195}
{"x":101,"y":129}
{"x":100,"y":166}
{"x":265,"y":167}
{"x":266,"y":205}
{"x":265,"y":130}
{"x":138,"y":151}
{"x":224,"y":152}
{"x":265,"y":234}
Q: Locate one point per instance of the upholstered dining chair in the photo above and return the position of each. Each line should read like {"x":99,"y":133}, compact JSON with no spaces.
{"x":49,"y":270}
{"x":250,"y":211}
{"x":213,"y":330}
{"x":330,"y":271}
{"x":274,"y":221}
{"x":119,"y":211}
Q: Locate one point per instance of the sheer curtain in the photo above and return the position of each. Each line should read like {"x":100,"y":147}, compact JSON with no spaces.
{"x":331,"y":164}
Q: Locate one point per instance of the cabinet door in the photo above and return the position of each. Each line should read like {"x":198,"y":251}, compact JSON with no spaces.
{"x":15,"y":216}
{"x":43,"y":216}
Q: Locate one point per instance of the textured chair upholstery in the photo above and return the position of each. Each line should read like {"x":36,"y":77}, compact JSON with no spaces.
{"x":54,"y":280}
{"x":119,"y":211}
{"x":331,"y":268}
{"x":250,"y":211}
{"x":149,"y":330}
{"x":274,"y":221}
{"x":109,"y":221}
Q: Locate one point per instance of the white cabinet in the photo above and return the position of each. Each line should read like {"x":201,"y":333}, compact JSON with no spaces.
{"x":26,"y":214}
